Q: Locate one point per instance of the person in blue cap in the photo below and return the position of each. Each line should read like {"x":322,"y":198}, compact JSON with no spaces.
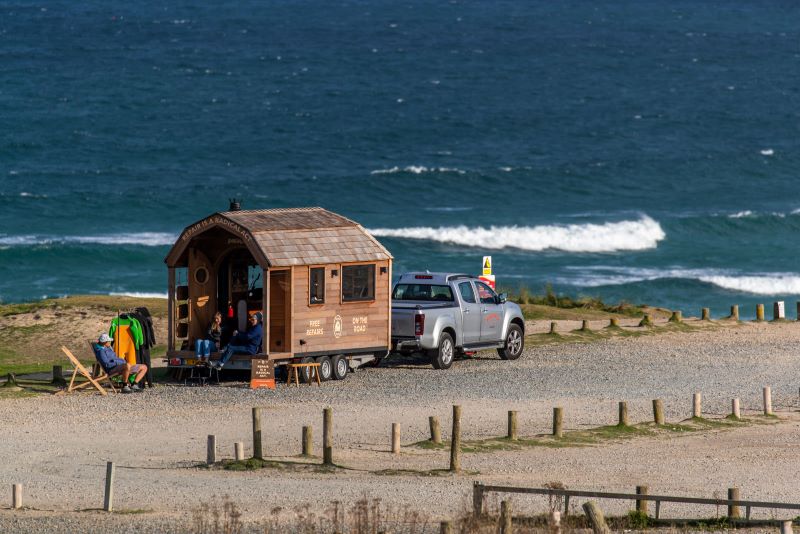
{"x":248,"y":342}
{"x":114,"y":365}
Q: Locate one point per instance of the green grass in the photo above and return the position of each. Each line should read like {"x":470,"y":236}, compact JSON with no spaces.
{"x":106,"y":303}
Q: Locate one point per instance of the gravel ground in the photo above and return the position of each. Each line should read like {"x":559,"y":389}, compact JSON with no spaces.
{"x":57,"y":446}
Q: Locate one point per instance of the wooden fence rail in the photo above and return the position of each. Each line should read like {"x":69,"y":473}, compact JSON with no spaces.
{"x":478,"y":491}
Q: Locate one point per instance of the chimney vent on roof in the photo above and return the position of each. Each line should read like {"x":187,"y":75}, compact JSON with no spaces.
{"x":236,"y":205}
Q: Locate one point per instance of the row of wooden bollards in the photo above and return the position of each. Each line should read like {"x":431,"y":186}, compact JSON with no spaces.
{"x":108,"y":497}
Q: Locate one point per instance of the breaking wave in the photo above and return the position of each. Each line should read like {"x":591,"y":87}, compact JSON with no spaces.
{"x":141,"y":295}
{"x":754,"y":283}
{"x":641,"y":234}
{"x":417,"y":169}
{"x":147,"y":239}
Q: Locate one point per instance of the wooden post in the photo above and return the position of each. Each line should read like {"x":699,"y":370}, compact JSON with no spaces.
{"x":16,"y":496}
{"x":759,"y":312}
{"x":477,"y":499}
{"x":767,"y":400}
{"x":733,"y":509}
{"x":658,"y":411}
{"x":786,"y":527}
{"x":735,"y":408}
{"x":585,"y":326}
{"x":308,"y":444}
{"x":395,"y":438}
{"x":554,"y":522}
{"x":436,"y":433}
{"x":211,"y":450}
{"x":697,"y":405}
{"x":327,"y":436}
{"x":238,"y":451}
{"x":647,"y":320}
{"x":596,"y":518}
{"x":735,"y":312}
{"x":505,"y":518}
{"x":558,"y":422}
{"x":798,"y":310}
{"x":677,"y":317}
{"x":623,"y":413}
{"x":108,"y":502}
{"x":706,"y":314}
{"x":257,"y":442}
{"x":613,"y":322}
{"x":58,"y":376}
{"x":512,"y":425}
{"x":778,"y":310}
{"x":641,"y":505}
{"x":455,"y":441}
{"x":553,"y":327}
{"x":446,"y":527}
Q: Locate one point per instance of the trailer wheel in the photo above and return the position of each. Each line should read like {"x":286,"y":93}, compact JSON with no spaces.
{"x":325,"y":368}
{"x":305,"y":372}
{"x":515,"y":342}
{"x":442,"y":357}
{"x":339,"y":366}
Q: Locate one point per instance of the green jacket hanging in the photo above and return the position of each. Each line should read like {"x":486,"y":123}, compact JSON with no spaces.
{"x":135,"y":326}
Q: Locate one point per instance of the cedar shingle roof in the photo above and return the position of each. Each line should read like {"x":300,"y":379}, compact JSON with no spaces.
{"x":291,"y":236}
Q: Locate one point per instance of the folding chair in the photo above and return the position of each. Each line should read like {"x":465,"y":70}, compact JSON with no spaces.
{"x":79,"y":369}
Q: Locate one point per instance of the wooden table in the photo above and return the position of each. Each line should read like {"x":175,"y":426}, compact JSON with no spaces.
{"x":293,"y":368}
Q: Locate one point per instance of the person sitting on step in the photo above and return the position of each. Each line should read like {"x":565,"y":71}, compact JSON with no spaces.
{"x":113,"y":365}
{"x":248,"y":342}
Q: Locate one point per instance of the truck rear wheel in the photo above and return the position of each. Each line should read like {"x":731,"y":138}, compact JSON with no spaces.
{"x":325,"y":368}
{"x":442,"y":357}
{"x":339,"y":367}
{"x":514,"y":344}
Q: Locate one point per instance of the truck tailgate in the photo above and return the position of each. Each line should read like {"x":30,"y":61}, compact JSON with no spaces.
{"x":403,"y":319}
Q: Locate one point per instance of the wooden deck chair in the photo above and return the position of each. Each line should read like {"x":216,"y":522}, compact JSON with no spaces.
{"x":79,"y":369}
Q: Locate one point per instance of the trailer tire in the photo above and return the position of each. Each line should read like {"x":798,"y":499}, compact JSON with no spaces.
{"x":325,"y":368}
{"x":305,"y":372}
{"x":339,"y":367}
{"x":514,"y":343}
{"x":442,"y":357}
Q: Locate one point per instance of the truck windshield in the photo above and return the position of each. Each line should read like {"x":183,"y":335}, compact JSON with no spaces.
{"x":423,"y":292}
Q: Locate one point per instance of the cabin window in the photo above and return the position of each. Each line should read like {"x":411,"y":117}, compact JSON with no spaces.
{"x":358,"y":282}
{"x":316,"y":286}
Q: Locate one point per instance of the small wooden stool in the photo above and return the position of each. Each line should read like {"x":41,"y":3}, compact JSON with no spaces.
{"x":313,"y":369}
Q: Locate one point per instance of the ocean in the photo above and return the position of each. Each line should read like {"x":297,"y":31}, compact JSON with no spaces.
{"x":640,"y":151}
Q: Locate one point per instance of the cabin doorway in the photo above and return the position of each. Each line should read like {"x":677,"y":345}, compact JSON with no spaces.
{"x":239,"y":290}
{"x":278,"y":314}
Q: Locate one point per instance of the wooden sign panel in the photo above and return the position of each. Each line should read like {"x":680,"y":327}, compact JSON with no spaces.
{"x":262,"y":374}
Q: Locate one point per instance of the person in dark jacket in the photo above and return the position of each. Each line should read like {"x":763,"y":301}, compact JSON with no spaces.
{"x":248,"y":342}
{"x":204,"y":347}
{"x":114,"y":365}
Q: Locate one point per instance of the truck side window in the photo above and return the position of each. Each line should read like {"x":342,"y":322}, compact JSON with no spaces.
{"x":465,"y":288}
{"x":316,"y":286}
{"x":485,"y":293}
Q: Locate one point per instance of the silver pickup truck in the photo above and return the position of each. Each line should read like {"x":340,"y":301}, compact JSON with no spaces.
{"x":446,"y":314}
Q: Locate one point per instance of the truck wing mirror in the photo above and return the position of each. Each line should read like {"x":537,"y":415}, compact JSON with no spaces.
{"x":502,"y":298}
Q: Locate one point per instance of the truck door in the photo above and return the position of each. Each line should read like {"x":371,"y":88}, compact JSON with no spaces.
{"x":470,"y":313}
{"x":491,"y":314}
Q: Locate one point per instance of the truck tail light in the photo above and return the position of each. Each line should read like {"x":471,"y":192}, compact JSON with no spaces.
{"x":419,"y":324}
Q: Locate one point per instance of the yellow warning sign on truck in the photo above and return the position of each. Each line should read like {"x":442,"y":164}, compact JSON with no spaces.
{"x":487,"y":265}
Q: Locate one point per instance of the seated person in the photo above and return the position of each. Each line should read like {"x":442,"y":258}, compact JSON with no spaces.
{"x":114,"y":365}
{"x":204,"y":347}
{"x":248,"y":342}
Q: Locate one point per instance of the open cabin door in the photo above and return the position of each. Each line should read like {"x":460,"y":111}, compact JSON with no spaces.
{"x":202,"y":293}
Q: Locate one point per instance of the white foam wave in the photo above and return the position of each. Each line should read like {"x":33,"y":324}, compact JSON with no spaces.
{"x":740,"y":214}
{"x":767,"y":152}
{"x":417,"y":169}
{"x":147,"y":239}
{"x":641,"y":234}
{"x":141,"y":295}
{"x":775,"y":283}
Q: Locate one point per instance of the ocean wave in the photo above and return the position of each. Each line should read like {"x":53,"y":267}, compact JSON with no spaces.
{"x":776,"y":283}
{"x":147,"y":239}
{"x":641,"y":234}
{"x":740,"y":214}
{"x":140,"y":295}
{"x":418,"y":169}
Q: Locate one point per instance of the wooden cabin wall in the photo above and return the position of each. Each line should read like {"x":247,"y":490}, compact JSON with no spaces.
{"x":279,"y":310}
{"x":364,"y":324}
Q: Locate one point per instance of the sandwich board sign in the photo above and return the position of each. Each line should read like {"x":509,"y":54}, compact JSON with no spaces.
{"x":486,"y":269}
{"x":262,"y":373}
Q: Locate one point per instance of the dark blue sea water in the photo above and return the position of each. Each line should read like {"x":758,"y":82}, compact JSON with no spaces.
{"x":640,"y":150}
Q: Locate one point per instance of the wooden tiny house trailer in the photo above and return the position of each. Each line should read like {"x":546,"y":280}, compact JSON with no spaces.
{"x":321,"y":281}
